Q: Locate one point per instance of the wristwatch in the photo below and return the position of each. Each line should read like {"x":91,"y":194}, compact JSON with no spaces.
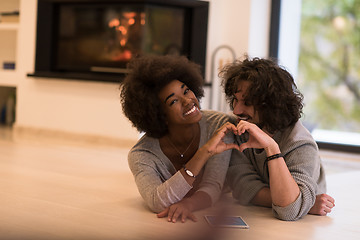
{"x":189,"y":173}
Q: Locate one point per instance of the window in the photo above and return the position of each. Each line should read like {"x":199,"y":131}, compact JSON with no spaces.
{"x":323,"y":55}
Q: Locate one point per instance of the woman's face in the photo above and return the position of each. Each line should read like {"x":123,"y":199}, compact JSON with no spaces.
{"x":179,"y":104}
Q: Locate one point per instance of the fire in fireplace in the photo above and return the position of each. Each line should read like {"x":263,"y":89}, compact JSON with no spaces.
{"x":94,"y":40}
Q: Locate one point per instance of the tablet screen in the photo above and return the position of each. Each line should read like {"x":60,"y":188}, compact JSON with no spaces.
{"x":226,"y":221}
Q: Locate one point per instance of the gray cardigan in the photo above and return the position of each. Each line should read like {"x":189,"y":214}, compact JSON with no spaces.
{"x":157,"y":180}
{"x":248,"y":172}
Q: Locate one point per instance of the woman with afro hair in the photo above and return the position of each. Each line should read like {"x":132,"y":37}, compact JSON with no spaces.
{"x":180,"y":163}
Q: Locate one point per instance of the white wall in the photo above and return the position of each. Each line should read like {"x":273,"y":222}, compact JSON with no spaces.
{"x":259,"y":30}
{"x":93,"y":108}
{"x":241,"y":25}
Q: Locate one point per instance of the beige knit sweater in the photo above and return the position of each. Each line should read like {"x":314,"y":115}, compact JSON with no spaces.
{"x":248,"y":172}
{"x":157,"y":180}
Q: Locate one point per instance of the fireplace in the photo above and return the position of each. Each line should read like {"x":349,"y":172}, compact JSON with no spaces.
{"x":94,"y":40}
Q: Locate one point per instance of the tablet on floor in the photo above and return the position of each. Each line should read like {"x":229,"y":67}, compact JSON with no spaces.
{"x":226,"y":221}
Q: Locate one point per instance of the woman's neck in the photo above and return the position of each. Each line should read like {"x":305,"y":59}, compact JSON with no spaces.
{"x":183,"y":135}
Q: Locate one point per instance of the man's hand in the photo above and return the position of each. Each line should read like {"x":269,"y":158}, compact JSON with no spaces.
{"x":257,"y":137}
{"x":323,"y":205}
{"x":178,"y":210}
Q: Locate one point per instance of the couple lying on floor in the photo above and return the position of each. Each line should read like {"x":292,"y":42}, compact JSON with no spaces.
{"x":266,"y":155}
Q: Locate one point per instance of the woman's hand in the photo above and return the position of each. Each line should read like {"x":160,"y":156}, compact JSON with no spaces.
{"x":323,"y":205}
{"x":216,"y":143}
{"x":257,"y":137}
{"x":178,"y":210}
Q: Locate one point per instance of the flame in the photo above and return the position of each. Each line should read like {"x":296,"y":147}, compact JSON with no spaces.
{"x":114,"y":22}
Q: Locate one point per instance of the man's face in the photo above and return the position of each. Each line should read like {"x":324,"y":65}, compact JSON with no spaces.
{"x":243,"y":111}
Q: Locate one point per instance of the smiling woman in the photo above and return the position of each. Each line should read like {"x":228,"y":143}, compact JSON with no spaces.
{"x":160,"y":96}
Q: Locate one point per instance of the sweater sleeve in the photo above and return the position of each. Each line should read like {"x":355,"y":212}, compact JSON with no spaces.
{"x":304,"y":165}
{"x":157,"y":187}
{"x":243,"y":179}
{"x":214,"y":175}
{"x":216,"y":167}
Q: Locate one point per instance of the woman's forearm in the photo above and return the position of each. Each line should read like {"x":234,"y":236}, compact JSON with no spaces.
{"x":199,"y":200}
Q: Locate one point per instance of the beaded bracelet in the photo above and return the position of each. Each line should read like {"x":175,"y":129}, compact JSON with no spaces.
{"x":278,"y":155}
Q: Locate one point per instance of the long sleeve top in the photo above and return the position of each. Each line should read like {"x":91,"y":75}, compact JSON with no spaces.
{"x":160,"y":184}
{"x":248,"y":171}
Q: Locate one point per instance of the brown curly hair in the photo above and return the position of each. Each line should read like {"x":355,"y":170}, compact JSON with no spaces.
{"x":147,"y":76}
{"x":272,"y":91}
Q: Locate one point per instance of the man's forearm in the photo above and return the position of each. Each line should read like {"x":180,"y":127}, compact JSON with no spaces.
{"x":284,"y":189}
{"x":263,"y":198}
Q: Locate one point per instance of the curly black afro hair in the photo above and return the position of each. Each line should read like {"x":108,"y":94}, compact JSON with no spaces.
{"x":272,"y":91}
{"x":141,"y":86}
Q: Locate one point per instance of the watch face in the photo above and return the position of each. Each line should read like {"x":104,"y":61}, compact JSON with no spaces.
{"x":188,"y":172}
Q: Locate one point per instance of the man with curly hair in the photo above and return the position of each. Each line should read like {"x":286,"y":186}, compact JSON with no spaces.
{"x":278,"y":164}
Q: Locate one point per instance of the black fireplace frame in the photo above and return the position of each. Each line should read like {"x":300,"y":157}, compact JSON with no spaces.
{"x":196,"y":18}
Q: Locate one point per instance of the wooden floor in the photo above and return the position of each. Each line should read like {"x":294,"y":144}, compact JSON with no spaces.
{"x":58,"y":189}
{"x":48,"y":188}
